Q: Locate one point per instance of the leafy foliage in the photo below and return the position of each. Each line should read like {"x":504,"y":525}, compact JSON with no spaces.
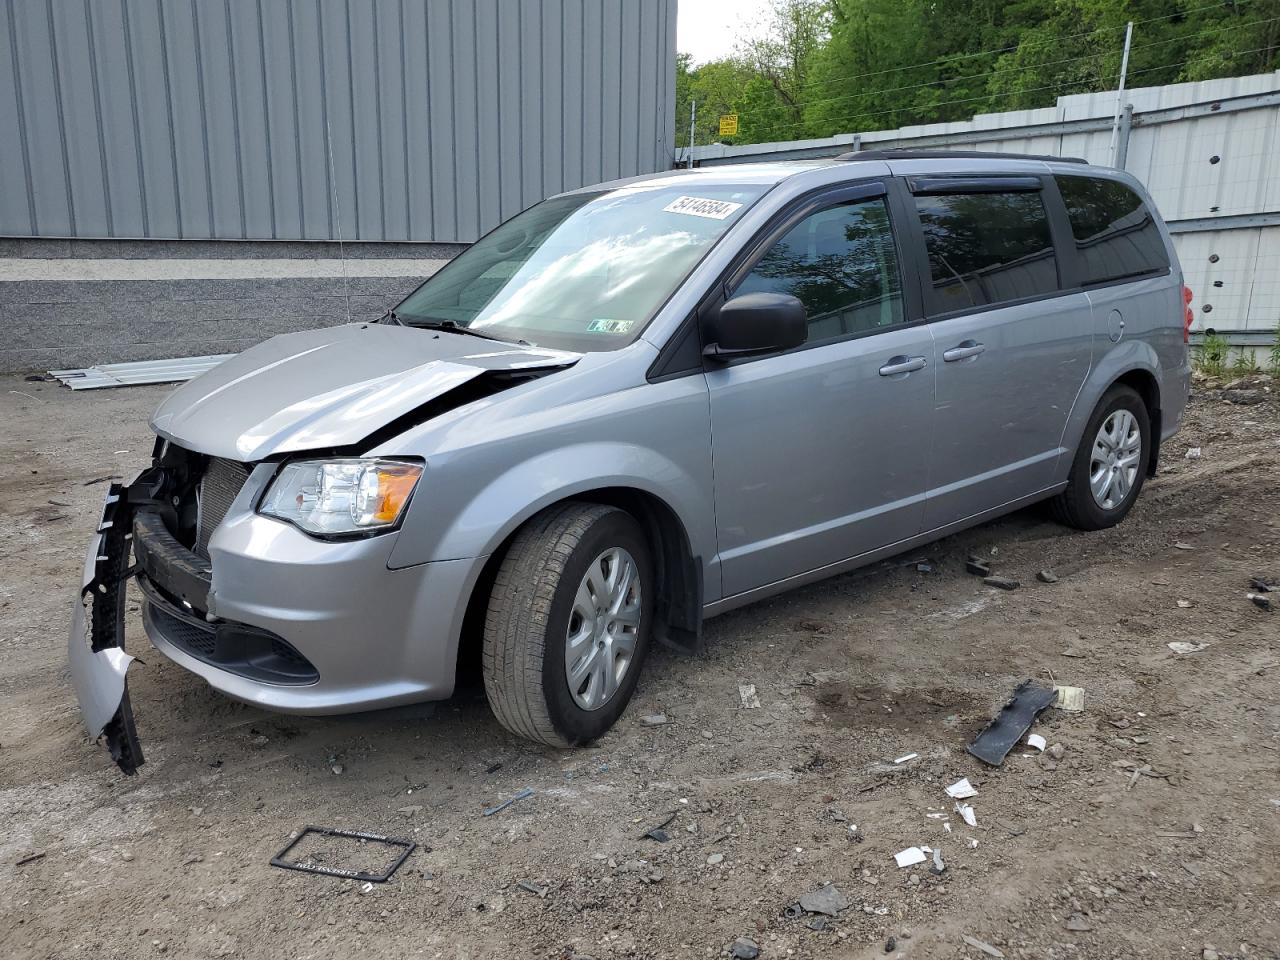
{"x":819,"y":67}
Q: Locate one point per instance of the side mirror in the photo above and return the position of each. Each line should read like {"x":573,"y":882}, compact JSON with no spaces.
{"x":757,"y":323}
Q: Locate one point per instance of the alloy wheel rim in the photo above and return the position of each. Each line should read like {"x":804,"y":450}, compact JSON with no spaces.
{"x":1113,"y":463}
{"x":604,"y":626}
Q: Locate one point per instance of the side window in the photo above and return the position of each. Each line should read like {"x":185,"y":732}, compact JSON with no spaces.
{"x":987,"y":248}
{"x":841,"y":264}
{"x":1114,"y":231}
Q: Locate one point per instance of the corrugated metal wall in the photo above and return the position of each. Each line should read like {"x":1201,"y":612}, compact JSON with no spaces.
{"x":211,"y":118}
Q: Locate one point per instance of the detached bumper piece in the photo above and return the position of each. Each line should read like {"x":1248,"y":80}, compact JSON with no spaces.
{"x":1029,"y":699}
{"x":95,"y":647}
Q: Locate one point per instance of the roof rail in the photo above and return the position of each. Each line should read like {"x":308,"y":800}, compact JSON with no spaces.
{"x":951,"y":155}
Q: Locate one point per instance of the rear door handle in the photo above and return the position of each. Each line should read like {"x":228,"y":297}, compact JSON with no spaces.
{"x":901,"y":364}
{"x":963,"y":351}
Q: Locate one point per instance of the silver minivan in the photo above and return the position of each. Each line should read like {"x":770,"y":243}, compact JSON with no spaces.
{"x":632,"y":407}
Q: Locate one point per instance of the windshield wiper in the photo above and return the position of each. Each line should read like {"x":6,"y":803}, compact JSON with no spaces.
{"x":452,"y":326}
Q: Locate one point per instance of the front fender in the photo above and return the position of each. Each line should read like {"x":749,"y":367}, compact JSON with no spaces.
{"x":497,"y":509}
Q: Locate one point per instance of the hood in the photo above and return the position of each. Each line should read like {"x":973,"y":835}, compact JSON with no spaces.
{"x":329,"y":388}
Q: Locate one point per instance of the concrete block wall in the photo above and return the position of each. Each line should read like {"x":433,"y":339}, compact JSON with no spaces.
{"x":73,"y":303}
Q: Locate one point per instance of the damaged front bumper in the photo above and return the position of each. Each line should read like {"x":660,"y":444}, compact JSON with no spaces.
{"x":95,"y":649}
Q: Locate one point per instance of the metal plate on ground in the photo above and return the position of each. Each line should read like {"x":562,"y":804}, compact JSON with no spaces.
{"x":310,"y":866}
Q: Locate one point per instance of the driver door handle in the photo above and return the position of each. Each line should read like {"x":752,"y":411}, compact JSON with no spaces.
{"x":901,"y":364}
{"x":963,"y":351}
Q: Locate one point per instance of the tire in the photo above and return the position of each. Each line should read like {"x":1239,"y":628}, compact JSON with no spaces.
{"x":1076,"y":506}
{"x":535,"y":601}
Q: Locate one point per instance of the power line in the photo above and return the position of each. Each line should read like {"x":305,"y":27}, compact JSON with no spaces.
{"x":1224,"y":26}
{"x":947,"y":103}
{"x":1020,"y":69}
{"x":995,"y":133}
{"x":942,"y":61}
{"x":1226,"y":55}
{"x":972,"y":76}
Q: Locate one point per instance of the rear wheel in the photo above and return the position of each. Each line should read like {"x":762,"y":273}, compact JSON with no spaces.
{"x":568,"y":624}
{"x":1110,"y":464}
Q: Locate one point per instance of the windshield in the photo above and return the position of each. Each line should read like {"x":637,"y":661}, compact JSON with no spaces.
{"x":581,"y":272}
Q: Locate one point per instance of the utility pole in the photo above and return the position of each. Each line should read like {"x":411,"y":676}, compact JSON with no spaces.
{"x":693,"y":116}
{"x":1124,"y":70}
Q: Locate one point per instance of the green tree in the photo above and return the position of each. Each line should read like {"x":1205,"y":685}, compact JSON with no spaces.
{"x":717,"y":86}
{"x":820,"y":67}
{"x":783,"y":55}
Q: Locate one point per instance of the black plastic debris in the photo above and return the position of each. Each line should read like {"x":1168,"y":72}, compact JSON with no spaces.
{"x":1001,"y":583}
{"x":658,"y":831}
{"x":1260,"y":584}
{"x":993,"y":744}
{"x":977,"y":567}
{"x":1260,"y":600}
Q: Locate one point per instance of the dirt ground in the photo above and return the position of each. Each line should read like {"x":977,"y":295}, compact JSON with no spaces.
{"x":1157,"y":833}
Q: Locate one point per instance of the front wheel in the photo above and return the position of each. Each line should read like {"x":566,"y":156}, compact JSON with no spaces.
{"x":568,"y":624}
{"x":1110,"y":464}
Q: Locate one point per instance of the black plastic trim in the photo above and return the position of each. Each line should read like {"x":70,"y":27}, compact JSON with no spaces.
{"x":1069,"y":267}
{"x":681,"y":356}
{"x":238,"y":648}
{"x":924,"y":154}
{"x":972,"y":184}
{"x":179,"y":571}
{"x":1135,"y":278}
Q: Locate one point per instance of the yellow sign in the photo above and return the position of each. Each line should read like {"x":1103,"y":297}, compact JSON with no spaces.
{"x":729,"y":125}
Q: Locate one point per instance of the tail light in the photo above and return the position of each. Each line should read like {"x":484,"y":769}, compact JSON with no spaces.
{"x":1188,"y":317}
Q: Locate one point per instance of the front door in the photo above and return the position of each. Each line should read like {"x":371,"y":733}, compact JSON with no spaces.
{"x":1011,"y":348}
{"x":821,"y":452}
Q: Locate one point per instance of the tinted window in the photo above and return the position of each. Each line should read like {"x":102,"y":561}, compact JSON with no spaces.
{"x":1114,"y":231}
{"x":841,"y":264}
{"x":987,"y":248}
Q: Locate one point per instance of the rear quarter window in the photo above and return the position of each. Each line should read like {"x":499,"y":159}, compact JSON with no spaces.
{"x":1115,"y":234}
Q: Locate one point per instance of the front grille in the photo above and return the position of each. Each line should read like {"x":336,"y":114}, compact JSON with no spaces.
{"x":219,"y":486}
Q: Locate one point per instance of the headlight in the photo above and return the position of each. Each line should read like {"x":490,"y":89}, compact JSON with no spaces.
{"x":341,"y":496}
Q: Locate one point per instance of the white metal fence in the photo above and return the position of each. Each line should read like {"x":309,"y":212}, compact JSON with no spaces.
{"x":1209,"y":152}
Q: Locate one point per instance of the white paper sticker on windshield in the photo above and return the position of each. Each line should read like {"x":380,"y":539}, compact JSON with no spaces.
{"x":609,"y":326}
{"x":702,"y":207}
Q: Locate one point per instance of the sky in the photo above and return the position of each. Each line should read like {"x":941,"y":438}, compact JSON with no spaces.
{"x":707,"y":28}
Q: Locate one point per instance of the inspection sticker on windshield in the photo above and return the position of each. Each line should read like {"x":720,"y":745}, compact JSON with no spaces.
{"x":702,"y":207}
{"x":609,"y":326}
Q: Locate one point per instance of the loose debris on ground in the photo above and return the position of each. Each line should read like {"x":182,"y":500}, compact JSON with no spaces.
{"x":1149,"y":827}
